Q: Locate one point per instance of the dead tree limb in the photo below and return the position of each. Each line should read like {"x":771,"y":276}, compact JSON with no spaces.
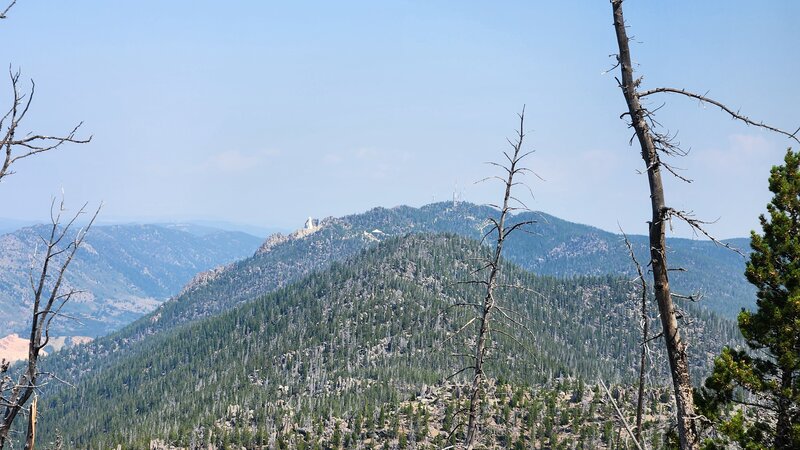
{"x":16,"y":148}
{"x":4,"y":14}
{"x":61,"y":246}
{"x":60,"y":249}
{"x":621,"y":417}
{"x":653,"y":145}
{"x":734,"y":114}
{"x":502,"y":230}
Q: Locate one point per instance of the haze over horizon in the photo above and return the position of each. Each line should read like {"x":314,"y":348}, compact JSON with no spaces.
{"x":267,"y":113}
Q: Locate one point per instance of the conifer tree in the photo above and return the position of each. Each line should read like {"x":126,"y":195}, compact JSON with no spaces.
{"x":770,"y":373}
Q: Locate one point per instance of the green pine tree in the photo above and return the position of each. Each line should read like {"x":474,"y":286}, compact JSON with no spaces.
{"x":769,"y":376}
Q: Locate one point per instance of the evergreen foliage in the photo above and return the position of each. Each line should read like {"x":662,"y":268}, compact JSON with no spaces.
{"x":769,"y":374}
{"x":554,"y":247}
{"x":364,"y":334}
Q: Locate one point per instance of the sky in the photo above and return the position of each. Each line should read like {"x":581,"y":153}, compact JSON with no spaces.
{"x":266,"y":113}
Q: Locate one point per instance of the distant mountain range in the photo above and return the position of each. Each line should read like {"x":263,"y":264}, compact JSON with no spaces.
{"x":124,"y":272}
{"x":549,"y":247}
{"x":9,"y":225}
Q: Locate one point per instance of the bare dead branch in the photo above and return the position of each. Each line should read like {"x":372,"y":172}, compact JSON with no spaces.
{"x":14,"y":149}
{"x":47,"y":304}
{"x":691,"y":297}
{"x":699,"y":226}
{"x":645,"y":324}
{"x":4,"y":14}
{"x":620,"y":416}
{"x":460,"y":330}
{"x":500,"y":230}
{"x":734,"y":114}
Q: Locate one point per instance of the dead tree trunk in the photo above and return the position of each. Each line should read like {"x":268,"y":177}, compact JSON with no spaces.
{"x":645,"y":320}
{"x":489,"y":305}
{"x":653,"y":144}
{"x":30,"y":440}
{"x":676,"y":348}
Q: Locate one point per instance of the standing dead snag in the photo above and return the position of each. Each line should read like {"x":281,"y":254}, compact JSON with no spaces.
{"x":645,"y":324}
{"x":48,"y":300}
{"x":488,"y":306}
{"x":654,"y":144}
{"x":676,"y":348}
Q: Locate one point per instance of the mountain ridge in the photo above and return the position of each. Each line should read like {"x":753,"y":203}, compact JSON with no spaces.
{"x":124,"y":271}
{"x":337,"y":239}
{"x":366,"y":329}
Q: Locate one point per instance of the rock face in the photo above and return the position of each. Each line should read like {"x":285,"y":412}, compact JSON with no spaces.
{"x":272,"y":241}
{"x":203,"y":278}
{"x":310,"y":227}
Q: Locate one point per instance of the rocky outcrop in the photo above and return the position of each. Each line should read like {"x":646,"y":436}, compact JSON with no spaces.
{"x":310,"y":227}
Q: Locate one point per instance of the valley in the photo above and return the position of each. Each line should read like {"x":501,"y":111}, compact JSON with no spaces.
{"x":122,"y":273}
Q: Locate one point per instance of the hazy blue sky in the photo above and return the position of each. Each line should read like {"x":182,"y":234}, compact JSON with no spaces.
{"x":268,"y":112}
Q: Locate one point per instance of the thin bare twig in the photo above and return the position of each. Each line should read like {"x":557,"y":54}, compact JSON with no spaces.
{"x":645,"y":321}
{"x":14,"y":149}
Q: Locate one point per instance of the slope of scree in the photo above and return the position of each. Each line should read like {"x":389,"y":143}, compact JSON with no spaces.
{"x":370,"y":330}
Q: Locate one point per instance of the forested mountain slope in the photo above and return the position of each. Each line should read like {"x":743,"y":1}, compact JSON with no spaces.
{"x":124,"y":271}
{"x":371,"y":330}
{"x":552,"y":247}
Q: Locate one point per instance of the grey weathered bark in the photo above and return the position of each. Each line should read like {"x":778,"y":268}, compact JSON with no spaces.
{"x":489,"y":304}
{"x":676,"y":348}
{"x":651,"y":144}
{"x":30,"y":440}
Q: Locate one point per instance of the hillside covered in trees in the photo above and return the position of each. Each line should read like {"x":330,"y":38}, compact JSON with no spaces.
{"x":370,"y":331}
{"x":550,"y":249}
{"x":444,"y":326}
